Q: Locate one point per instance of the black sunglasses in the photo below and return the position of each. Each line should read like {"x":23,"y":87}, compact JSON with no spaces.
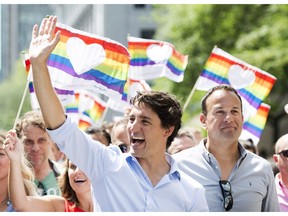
{"x":227,"y":195}
{"x":284,"y":153}
{"x":124,"y":147}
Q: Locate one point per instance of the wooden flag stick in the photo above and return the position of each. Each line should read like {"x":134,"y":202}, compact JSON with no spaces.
{"x":22,"y":100}
{"x":190,"y":96}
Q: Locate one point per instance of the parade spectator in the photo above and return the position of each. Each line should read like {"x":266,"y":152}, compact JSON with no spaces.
{"x":183,"y":140}
{"x":248,"y":144}
{"x":75,"y":186}
{"x":32,"y":132}
{"x":145,"y":179}
{"x":99,"y":134}
{"x":119,"y":134}
{"x":281,"y":179}
{"x":234,"y":178}
{"x":29,"y":188}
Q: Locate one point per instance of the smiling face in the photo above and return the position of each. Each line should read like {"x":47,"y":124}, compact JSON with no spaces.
{"x":78,"y":180}
{"x":224,"y":118}
{"x":37,"y":144}
{"x":147,"y":136}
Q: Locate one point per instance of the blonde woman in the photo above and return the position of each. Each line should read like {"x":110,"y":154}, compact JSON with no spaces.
{"x":75,"y":186}
{"x":24,"y":170}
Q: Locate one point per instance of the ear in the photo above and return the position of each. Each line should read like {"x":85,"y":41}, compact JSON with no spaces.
{"x":203,"y":120}
{"x":169,"y":131}
{"x":275,"y":158}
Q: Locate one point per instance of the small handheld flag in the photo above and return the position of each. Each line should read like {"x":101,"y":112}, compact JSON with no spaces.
{"x":152,"y":59}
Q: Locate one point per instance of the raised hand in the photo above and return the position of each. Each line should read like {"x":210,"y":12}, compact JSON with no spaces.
{"x":44,"y":41}
{"x":13,"y":147}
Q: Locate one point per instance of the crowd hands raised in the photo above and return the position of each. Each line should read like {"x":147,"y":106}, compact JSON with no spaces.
{"x":49,"y":164}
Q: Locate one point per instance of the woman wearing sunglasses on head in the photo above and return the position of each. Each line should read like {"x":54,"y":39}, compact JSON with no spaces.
{"x":281,"y":179}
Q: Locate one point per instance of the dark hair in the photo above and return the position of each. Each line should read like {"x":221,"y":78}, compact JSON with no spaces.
{"x":66,"y":190}
{"x":218,"y":87}
{"x":165,"y":105}
{"x":99,"y":130}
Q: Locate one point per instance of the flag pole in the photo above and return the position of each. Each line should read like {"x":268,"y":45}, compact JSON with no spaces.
{"x":190,"y":96}
{"x":22,"y":100}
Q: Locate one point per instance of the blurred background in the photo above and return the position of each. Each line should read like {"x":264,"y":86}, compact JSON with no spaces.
{"x":256,"y":34}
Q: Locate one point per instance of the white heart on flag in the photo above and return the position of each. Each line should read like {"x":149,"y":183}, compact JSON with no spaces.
{"x":158,"y":53}
{"x":240,"y":78}
{"x":85,"y":102}
{"x":84,"y":57}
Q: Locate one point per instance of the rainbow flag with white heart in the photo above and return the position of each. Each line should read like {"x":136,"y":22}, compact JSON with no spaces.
{"x":130,"y":90}
{"x":152,"y":59}
{"x":252,"y":83}
{"x":87,"y":109}
{"x":85,"y":61}
{"x":254,"y":126}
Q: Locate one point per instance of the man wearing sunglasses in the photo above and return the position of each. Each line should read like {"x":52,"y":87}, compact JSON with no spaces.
{"x":234,"y":178}
{"x":281,"y":179}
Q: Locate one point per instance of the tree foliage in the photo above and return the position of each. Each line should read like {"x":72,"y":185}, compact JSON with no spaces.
{"x":256,"y":34}
{"x":11,"y":92}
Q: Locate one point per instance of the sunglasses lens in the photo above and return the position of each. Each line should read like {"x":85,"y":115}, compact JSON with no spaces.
{"x":226,"y":191}
{"x":285,"y":153}
{"x":124,"y":148}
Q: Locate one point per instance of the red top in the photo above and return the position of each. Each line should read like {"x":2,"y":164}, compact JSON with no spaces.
{"x":69,"y":207}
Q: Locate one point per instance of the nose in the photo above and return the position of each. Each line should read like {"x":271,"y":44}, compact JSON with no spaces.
{"x":133,"y":126}
{"x":228,"y":117}
{"x":35,"y":147}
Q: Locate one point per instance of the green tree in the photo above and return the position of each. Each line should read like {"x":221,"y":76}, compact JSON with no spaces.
{"x":11,"y":92}
{"x":256,"y":34}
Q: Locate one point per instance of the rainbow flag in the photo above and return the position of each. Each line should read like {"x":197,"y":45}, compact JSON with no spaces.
{"x":87,"y":109}
{"x":252,"y":83}
{"x":152,"y":59}
{"x":130,"y":90}
{"x":26,"y":61}
{"x":254,"y":126}
{"x":65,"y":96}
{"x":85,"y":61}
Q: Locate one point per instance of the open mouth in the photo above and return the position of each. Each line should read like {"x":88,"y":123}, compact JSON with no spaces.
{"x":137,"y":141}
{"x":79,"y":180}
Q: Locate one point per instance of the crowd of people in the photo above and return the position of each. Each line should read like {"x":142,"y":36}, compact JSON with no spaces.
{"x":147,"y":161}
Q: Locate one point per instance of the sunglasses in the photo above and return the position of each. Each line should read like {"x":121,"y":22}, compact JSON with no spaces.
{"x":124,"y":148}
{"x":227,"y":195}
{"x":284,"y":153}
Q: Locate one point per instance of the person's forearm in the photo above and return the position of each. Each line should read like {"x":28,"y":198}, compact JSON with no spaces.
{"x":16,"y":187}
{"x":50,"y":105}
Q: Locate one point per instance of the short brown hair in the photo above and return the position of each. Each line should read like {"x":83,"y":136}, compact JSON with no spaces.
{"x":30,"y":118}
{"x":218,"y":87}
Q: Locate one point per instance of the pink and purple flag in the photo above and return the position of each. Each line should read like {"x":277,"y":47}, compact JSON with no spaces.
{"x":152,"y":59}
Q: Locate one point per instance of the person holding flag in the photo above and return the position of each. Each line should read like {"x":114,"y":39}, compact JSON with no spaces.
{"x":145,"y":179}
{"x":234,"y":178}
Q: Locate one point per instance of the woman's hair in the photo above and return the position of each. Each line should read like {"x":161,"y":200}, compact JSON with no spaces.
{"x":67,"y":191}
{"x":27,"y":173}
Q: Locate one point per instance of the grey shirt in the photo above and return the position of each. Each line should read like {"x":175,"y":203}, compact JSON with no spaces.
{"x":252,"y":179}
